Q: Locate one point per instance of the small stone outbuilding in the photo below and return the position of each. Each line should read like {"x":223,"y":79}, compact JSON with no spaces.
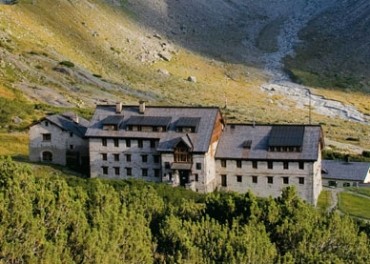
{"x":60,"y":139}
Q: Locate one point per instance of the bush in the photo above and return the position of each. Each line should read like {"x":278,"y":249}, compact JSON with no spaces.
{"x":366,"y":153}
{"x":67,"y":64}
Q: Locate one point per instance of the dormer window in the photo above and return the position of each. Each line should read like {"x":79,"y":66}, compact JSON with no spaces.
{"x":112,"y":123}
{"x":286,"y":139}
{"x":187,"y":124}
{"x":148,"y":123}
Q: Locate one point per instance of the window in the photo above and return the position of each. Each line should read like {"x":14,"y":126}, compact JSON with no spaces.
{"x":270,"y":180}
{"x":47,"y":156}
{"x":167,"y":165}
{"x":116,"y":157}
{"x":116,"y":171}
{"x":199,"y":166}
{"x":238,"y":178}
{"x":104,"y":156}
{"x":301,"y":180}
{"x":238,"y":163}
{"x":139,"y":143}
{"x":285,"y":165}
{"x":71,"y":147}
{"x":104,"y":142}
{"x":332,"y":183}
{"x":156,"y":158}
{"x":254,"y":179}
{"x":144,"y":158}
{"x":128,"y":143}
{"x":46,"y":137}
{"x":128,"y":157}
{"x":116,"y":142}
{"x":223,"y":163}
{"x":196,"y":177}
{"x":46,"y":123}
{"x":70,"y":134}
{"x":223,"y":180}
{"x":270,"y":165}
{"x":105,"y":170}
{"x":129,"y":171}
{"x":301,"y":165}
{"x":254,"y":164}
{"x":182,"y":154}
{"x":286,"y":180}
{"x":152,"y":143}
{"x":157,"y":172}
{"x":144,"y":172}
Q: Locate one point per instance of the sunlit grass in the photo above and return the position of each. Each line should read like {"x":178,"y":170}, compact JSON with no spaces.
{"x":354,"y":205}
{"x":14,"y":144}
{"x":325,"y":200}
{"x":361,"y":190}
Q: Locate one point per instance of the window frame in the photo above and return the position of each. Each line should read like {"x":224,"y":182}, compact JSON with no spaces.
{"x":285,"y":180}
{"x":270,"y":180}
{"x":46,"y":137}
{"x":223,"y":180}
{"x":254,"y":179}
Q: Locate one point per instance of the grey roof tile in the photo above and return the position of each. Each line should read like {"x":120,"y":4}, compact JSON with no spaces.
{"x":149,"y":120}
{"x":340,"y":170}
{"x":200,"y":139}
{"x":232,"y":142}
{"x":67,"y":124}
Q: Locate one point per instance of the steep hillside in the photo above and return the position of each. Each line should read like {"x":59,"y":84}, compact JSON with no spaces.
{"x":337,"y":54}
{"x":70,"y":53}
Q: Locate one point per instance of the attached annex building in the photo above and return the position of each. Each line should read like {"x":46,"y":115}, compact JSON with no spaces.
{"x":194,"y":148}
{"x":60,"y":139}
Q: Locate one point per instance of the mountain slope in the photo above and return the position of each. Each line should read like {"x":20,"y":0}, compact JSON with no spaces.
{"x":78,"y":53}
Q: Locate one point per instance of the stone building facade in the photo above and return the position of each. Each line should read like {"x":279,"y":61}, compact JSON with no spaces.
{"x":187,"y":146}
{"x":59,"y":139}
{"x":163,"y":144}
{"x":266,"y":158}
{"x":345,"y":173}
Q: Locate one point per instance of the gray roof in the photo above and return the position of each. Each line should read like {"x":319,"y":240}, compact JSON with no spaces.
{"x":286,"y":136}
{"x":66,"y":123}
{"x":340,"y":170}
{"x":149,"y":120}
{"x":188,"y":122}
{"x":112,"y":120}
{"x":155,"y":115}
{"x":251,"y":142}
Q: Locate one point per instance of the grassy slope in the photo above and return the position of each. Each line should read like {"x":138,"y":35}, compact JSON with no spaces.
{"x":64,"y":31}
{"x":324,"y":201}
{"x":354,"y":205}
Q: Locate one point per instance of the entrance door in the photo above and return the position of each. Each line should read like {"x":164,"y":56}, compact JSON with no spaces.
{"x":184,"y":177}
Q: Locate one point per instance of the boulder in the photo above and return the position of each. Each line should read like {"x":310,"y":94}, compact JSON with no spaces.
{"x":192,"y":79}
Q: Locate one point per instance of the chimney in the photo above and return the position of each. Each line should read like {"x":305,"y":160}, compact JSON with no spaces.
{"x":118,"y":108}
{"x":76,"y":119}
{"x":142,"y":106}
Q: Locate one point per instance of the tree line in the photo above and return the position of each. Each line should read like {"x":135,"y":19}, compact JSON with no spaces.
{"x":49,"y":219}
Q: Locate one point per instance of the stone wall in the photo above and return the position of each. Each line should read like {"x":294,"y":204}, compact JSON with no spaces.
{"x":241,"y":179}
{"x":60,"y":142}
